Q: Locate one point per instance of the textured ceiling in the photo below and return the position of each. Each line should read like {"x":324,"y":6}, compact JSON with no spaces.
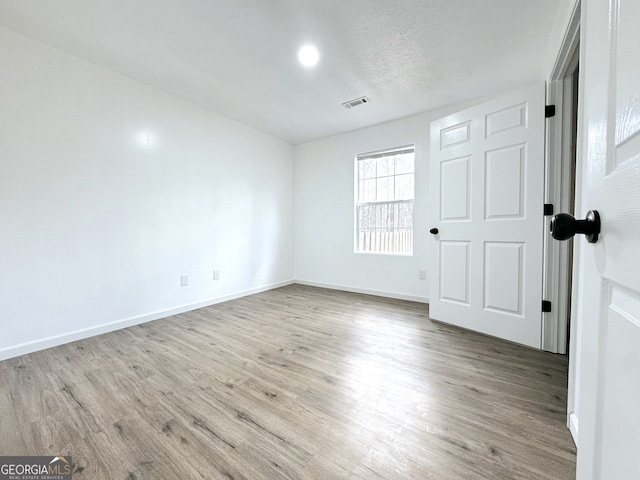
{"x":239,"y":57}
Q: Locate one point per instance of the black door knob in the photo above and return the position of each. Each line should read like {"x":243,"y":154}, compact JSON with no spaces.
{"x":564,"y":226}
{"x":434,"y":231}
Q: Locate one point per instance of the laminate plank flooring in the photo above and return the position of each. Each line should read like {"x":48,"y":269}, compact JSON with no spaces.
{"x":293,"y":383}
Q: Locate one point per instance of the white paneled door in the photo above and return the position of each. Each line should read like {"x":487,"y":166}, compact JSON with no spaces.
{"x":608,"y":281}
{"x":486,"y":198}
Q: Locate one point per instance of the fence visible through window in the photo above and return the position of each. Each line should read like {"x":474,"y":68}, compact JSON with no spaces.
{"x":384,"y":201}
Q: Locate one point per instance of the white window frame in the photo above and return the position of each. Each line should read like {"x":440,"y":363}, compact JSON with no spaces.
{"x":394,"y":241}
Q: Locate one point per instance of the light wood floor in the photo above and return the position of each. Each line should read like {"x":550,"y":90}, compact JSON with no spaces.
{"x":295,"y":383}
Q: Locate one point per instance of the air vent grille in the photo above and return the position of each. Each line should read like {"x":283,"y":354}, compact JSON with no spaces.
{"x":356,"y":102}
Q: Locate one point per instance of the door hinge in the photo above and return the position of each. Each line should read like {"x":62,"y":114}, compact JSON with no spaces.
{"x":549,"y":111}
{"x":548,"y":209}
{"x":546,"y":306}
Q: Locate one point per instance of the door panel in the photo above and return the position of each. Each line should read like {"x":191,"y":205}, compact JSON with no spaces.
{"x":621,"y":384}
{"x":508,"y":119}
{"x":627,"y":76}
{"x":504,"y":182}
{"x":487,"y":166}
{"x":455,"y":195}
{"x":503,"y":277}
{"x":455,"y":135}
{"x":454,"y":280}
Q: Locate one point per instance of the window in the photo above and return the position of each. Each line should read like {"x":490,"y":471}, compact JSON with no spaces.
{"x":384,"y":201}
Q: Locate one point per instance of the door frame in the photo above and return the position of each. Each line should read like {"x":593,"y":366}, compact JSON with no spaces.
{"x":560,"y":187}
{"x":557,"y":274}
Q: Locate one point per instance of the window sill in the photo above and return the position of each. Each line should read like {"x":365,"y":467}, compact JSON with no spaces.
{"x":385,"y":254}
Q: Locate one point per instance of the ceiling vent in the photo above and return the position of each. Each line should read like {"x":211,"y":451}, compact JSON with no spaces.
{"x":356,"y":102}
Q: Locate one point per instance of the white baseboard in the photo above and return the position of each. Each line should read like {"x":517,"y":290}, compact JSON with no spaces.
{"x":53,"y":341}
{"x":573,"y":427}
{"x":44,"y":343}
{"x":378,"y":293}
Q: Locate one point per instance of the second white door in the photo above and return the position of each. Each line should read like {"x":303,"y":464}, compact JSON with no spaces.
{"x":486,"y":199}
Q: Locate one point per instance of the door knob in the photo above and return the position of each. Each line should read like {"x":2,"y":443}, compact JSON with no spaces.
{"x":564,"y":226}
{"x":434,"y":231}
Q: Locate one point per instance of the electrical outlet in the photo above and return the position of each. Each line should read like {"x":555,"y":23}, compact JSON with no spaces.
{"x":216,"y":274}
{"x":184,"y":280}
{"x":422,"y":274}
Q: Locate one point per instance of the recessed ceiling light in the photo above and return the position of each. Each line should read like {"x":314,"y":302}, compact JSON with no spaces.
{"x":145,"y":139}
{"x":308,"y":55}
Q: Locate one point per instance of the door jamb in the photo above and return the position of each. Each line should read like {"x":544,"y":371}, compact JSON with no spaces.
{"x":558,"y":189}
{"x":555,"y":326}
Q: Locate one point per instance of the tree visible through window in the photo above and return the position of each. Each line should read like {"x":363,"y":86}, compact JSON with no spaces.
{"x":384,"y":201}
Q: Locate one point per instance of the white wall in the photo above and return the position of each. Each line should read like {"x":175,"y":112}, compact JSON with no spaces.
{"x":95,"y":229}
{"x":324,"y":211}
